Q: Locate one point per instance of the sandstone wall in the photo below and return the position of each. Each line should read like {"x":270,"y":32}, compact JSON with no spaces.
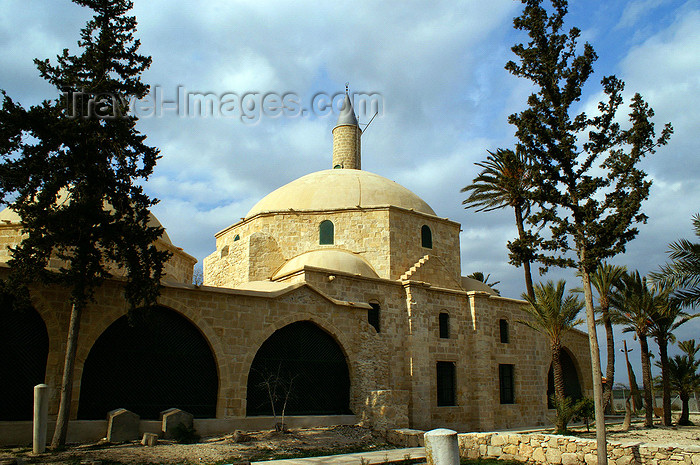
{"x":569,"y":450}
{"x":389,"y":238}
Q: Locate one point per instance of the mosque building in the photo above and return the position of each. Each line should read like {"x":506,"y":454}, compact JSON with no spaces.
{"x":340,"y":291}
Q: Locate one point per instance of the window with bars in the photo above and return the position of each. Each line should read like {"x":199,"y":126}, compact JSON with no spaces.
{"x":507,"y":384}
{"x":446,"y":384}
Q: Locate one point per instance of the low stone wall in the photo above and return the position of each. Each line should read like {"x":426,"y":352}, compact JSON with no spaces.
{"x":569,"y":450}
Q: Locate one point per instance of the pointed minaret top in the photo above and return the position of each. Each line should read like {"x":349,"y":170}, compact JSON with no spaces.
{"x":346,"y":137}
{"x":347,"y":114}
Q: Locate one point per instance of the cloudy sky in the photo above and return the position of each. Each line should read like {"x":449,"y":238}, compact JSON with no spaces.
{"x":438,"y":68}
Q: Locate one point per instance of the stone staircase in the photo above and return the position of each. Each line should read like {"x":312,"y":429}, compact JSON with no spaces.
{"x":407,"y":275}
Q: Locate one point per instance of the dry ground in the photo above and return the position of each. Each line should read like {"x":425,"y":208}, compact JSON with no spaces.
{"x":300,"y":442}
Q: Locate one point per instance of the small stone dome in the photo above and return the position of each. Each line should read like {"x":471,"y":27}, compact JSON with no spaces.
{"x":339,"y":189}
{"x":471,"y":284}
{"x":328,"y":259}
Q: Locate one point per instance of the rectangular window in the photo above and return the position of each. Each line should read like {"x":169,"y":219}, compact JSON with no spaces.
{"x":373,"y":315}
{"x":446,"y":384}
{"x":504,"y":331}
{"x":444,"y":323}
{"x":507,"y":384}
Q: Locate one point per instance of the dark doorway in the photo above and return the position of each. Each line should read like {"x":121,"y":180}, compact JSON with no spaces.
{"x":304,"y":365}
{"x":24,"y":348}
{"x":158,"y":362}
{"x":572,"y":387}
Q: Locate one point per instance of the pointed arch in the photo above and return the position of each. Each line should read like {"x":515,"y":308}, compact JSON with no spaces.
{"x":572,"y":379}
{"x":304,"y":366}
{"x":161,"y":361}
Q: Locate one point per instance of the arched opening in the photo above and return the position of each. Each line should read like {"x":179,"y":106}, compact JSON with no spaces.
{"x":326,"y":232}
{"x":160,"y":361}
{"x":426,"y":237}
{"x":303,"y":366}
{"x":24,"y":345}
{"x":572,"y":387}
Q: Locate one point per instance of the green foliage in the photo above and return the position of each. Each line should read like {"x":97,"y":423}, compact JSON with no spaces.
{"x":72,"y":167}
{"x":184,"y":434}
{"x":585,"y":411}
{"x":506,"y":180}
{"x":552,"y":313}
{"x":684,"y":270}
{"x":586,"y":181}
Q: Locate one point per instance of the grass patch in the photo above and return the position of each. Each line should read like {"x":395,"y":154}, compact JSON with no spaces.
{"x":301,"y":453}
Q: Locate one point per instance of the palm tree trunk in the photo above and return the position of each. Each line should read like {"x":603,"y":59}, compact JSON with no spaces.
{"x":665,"y":382}
{"x":601,"y":442}
{"x":558,"y":386}
{"x":646,"y":380}
{"x":610,"y":367}
{"x":526,"y":263}
{"x":684,"y":420}
{"x":61,"y":430}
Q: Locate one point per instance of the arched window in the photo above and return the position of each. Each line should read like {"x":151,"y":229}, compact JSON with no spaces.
{"x":236,"y":238}
{"x":444,"y":322}
{"x":426,"y":237}
{"x":224,"y":251}
{"x":373,"y":315}
{"x":325,"y":230}
{"x":505,"y":337}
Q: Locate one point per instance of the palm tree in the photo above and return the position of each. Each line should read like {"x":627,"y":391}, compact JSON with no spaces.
{"x":634,"y":303}
{"x":684,"y":269}
{"x":668,"y":317}
{"x":604,"y":280}
{"x":683,"y":377}
{"x":553,"y":315}
{"x":505,"y":180}
{"x":690,"y":348}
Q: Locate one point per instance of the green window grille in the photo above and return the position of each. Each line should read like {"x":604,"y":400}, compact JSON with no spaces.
{"x":326,"y":232}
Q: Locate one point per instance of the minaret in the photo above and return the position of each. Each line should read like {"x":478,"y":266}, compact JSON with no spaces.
{"x":346,"y":138}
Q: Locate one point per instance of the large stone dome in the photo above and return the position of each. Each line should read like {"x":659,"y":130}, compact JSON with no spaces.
{"x":339,"y":189}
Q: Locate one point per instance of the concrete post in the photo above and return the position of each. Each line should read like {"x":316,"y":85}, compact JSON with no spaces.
{"x":41,"y":411}
{"x":441,"y":447}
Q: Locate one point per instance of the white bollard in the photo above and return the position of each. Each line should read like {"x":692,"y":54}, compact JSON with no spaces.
{"x":441,"y":447}
{"x":41,"y":411}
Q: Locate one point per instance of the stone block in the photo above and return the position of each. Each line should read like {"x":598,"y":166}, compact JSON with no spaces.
{"x":122,"y":425}
{"x":173,"y":417}
{"x":494,"y":451}
{"x":497,"y":440}
{"x":569,"y":459}
{"x":553,"y":456}
{"x":538,"y":455}
{"x":625,"y":460}
{"x":149,"y":439}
